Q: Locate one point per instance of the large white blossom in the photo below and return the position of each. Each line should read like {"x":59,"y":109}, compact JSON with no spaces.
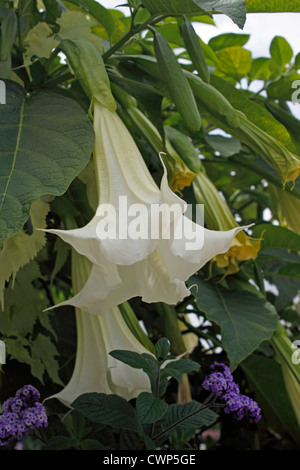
{"x":153,"y":268}
{"x":95,"y":370}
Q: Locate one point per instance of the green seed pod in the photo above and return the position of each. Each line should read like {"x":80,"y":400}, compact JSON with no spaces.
{"x":195,"y":50}
{"x":8,"y":34}
{"x":184,"y":148}
{"x":87,"y":64}
{"x":213,"y":101}
{"x":176,"y":82}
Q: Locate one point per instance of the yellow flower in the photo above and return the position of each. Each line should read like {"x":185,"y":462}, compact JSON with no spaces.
{"x":217,"y":216}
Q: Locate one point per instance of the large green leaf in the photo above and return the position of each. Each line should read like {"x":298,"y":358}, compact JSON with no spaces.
{"x":111,"y":410}
{"x":234,"y":61}
{"x":274,"y":236}
{"x":97,"y":11}
{"x":280,"y":50}
{"x":245,"y":319}
{"x":149,"y":408}
{"x":228,"y":40}
{"x":272,"y":6}
{"x":45,"y":141}
{"x":235,"y":9}
{"x":266,"y":379}
{"x":189,"y":416}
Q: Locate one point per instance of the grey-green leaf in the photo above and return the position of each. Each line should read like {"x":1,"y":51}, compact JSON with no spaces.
{"x":111,"y":410}
{"x":162,"y":348}
{"x":274,"y":236}
{"x":245,"y":319}
{"x":177,"y":368}
{"x":45,"y":141}
{"x":189,"y":415}
{"x":149,"y":408}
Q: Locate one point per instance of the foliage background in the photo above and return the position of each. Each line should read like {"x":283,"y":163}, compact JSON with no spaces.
{"x":36,"y":269}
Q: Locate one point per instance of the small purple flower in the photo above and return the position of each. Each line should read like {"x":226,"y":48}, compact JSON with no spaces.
{"x":21,"y":414}
{"x":220,"y":381}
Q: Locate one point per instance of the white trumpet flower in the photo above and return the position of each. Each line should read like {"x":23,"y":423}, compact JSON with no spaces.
{"x":95,"y":370}
{"x":128,"y":261}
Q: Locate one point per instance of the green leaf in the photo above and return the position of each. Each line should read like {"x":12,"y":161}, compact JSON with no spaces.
{"x":234,"y":61}
{"x":261,"y":68}
{"x":97,"y":11}
{"x":45,"y":141}
{"x":110,"y":410}
{"x":235,"y":9}
{"x":18,"y":250}
{"x":58,"y":443}
{"x":246,"y":320}
{"x":266,"y":379}
{"x":23,"y":303}
{"x":162,"y":348}
{"x":149,"y":443}
{"x":39,"y":43}
{"x":179,"y":367}
{"x":181,"y":413}
{"x":44,"y":350}
{"x":137,"y":361}
{"x":149,"y":408}
{"x":227,"y":146}
{"x":282,"y":89}
{"x":274,"y":236}
{"x":225,"y":40}
{"x":92,"y":444}
{"x":280,"y":50}
{"x":272,"y":6}
{"x":290,"y":270}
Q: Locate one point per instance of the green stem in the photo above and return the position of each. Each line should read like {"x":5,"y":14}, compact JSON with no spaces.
{"x":156,"y":394}
{"x":133,"y":30}
{"x":51,"y":58}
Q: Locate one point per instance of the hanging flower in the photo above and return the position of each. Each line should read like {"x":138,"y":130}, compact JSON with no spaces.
{"x":218,"y":217}
{"x":95,"y":370}
{"x":127,"y":261}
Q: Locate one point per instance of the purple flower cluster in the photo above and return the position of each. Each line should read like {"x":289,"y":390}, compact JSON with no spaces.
{"x":220,"y":382}
{"x":21,"y":414}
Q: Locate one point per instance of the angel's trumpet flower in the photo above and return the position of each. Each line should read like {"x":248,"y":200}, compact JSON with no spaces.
{"x":95,"y":370}
{"x":144,"y":257}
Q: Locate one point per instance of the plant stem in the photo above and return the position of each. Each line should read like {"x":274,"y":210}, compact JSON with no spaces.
{"x":133,"y":30}
{"x":157,"y":382}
